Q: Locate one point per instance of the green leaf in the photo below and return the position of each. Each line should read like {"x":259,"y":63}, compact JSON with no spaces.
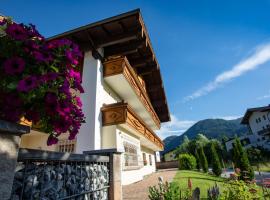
{"x":54,"y":68}
{"x":12,"y":85}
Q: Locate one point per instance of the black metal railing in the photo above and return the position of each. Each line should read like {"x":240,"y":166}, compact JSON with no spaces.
{"x":58,"y":176}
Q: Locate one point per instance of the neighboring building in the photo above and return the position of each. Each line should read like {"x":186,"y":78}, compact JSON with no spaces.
{"x":170,"y":156}
{"x":258,"y":122}
{"x":124,"y":100}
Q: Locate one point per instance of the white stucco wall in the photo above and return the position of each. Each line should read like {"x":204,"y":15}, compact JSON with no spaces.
{"x":132,"y":176}
{"x":96,"y":94}
{"x":255,"y":127}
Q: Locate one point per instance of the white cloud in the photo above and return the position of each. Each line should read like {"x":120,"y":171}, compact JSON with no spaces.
{"x":174,"y":127}
{"x":266,"y":96}
{"x":259,"y":57}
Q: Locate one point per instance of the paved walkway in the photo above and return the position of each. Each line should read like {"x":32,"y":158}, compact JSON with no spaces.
{"x":139,"y":190}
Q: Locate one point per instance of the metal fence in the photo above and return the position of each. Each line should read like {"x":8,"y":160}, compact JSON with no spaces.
{"x":47,"y":175}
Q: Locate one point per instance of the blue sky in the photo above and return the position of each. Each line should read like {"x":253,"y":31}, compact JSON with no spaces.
{"x":195,"y":43}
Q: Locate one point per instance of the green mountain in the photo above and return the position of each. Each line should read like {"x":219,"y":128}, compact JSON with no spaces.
{"x":211,"y":128}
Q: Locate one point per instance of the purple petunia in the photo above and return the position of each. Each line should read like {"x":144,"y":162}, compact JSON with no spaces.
{"x":32,"y":115}
{"x":3,"y":21}
{"x":52,"y":140}
{"x":14,"y":65}
{"x":71,"y":57}
{"x":17,"y":31}
{"x":41,"y":57}
{"x":51,"y":76}
{"x":27,"y":84}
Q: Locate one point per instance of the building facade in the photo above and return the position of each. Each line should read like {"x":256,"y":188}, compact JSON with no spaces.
{"x":124,"y":101}
{"x":258,"y":122}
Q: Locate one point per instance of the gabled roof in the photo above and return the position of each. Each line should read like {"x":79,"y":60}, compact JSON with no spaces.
{"x":126,"y":35}
{"x":251,"y":110}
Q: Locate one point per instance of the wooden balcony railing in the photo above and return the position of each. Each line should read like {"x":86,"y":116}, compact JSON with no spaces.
{"x":120,"y":65}
{"x":121,"y":113}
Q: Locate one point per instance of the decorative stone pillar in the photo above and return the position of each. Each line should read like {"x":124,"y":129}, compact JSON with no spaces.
{"x":115,"y":192}
{"x":9,"y":146}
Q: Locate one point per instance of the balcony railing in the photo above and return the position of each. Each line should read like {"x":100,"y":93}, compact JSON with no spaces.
{"x":264,"y":132}
{"x":121,"y":113}
{"x":121,"y":66}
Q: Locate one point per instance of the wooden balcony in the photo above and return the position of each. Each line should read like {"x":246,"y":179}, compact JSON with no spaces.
{"x":120,"y":76}
{"x":123,"y":115}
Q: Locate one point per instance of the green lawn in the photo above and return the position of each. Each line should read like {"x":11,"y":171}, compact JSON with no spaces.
{"x":264,"y":167}
{"x":198,"y":179}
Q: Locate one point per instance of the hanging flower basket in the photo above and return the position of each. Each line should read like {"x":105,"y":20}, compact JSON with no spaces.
{"x":39,"y":81}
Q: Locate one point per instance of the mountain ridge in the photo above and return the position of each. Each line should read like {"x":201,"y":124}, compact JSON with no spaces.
{"x":211,"y":128}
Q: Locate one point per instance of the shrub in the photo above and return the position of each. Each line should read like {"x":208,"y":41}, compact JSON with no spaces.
{"x":217,"y":170}
{"x":187,"y":161}
{"x":164,"y":191}
{"x":203,"y":160}
{"x":39,"y":80}
{"x":239,"y":190}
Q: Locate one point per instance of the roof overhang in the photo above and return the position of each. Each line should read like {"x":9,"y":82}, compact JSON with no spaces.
{"x":251,"y":110}
{"x":125,"y":35}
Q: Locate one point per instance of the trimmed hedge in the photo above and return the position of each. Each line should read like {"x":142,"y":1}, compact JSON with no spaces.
{"x":187,"y":162}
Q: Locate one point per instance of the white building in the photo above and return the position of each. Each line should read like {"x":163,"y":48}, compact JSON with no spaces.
{"x":124,"y":100}
{"x":258,"y":122}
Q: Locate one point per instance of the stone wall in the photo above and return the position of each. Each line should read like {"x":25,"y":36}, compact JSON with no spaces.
{"x":55,"y":175}
{"x":9,"y":144}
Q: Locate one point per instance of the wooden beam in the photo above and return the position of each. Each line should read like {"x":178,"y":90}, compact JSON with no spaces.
{"x":124,"y":49}
{"x":158,"y":103}
{"x":143,"y":61}
{"x":95,"y":53}
{"x":146,"y":70}
{"x":154,"y":88}
{"x":131,"y":34}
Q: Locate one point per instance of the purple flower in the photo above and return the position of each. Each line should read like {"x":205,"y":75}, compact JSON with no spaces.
{"x":27,"y":84}
{"x":17,"y":31}
{"x":78,"y":101}
{"x":32,"y":44}
{"x":71,"y":57}
{"x":3,"y":21}
{"x":32,"y":116}
{"x":50,"y":97}
{"x":78,"y":87}
{"x":40,"y":57}
{"x":73,"y":133}
{"x":34,"y":33}
{"x":75,"y":75}
{"x":11,"y":113}
{"x":61,"y":126}
{"x":14,"y":65}
{"x":50,"y":76}
{"x":13,"y":100}
{"x":52,"y":140}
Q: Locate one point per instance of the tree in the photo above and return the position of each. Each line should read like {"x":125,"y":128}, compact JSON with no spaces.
{"x":216,"y":166}
{"x":183,"y":148}
{"x":197,"y":160}
{"x":203,"y":160}
{"x":187,"y":162}
{"x":201,"y":140}
{"x":241,"y":159}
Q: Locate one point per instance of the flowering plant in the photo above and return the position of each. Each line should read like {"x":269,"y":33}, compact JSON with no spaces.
{"x":39,"y":81}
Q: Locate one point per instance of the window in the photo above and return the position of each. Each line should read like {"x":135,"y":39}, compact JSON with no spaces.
{"x":257,"y":121}
{"x":130,"y":155}
{"x":263,"y":128}
{"x":264,"y":117}
{"x":263,"y":138}
{"x":268,"y":126}
{"x":144,"y":159}
{"x":66,"y":146}
{"x":150,"y":159}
